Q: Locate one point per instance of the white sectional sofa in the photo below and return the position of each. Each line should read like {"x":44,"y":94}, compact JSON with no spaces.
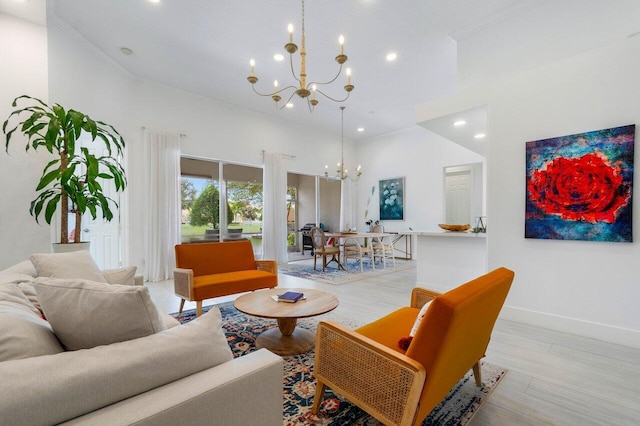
{"x":121,"y":361}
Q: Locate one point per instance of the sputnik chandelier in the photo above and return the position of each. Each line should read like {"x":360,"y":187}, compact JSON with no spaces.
{"x":341,"y":172}
{"x":303,"y":89}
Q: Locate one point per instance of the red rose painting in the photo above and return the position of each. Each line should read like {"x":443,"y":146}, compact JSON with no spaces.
{"x":586,"y":188}
{"x":579,"y":186}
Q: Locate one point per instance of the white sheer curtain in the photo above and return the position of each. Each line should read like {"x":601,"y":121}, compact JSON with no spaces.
{"x":347,"y":206}
{"x":274,"y":213}
{"x":161,"y":202}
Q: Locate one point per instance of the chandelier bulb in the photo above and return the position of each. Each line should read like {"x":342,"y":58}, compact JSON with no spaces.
{"x":290,"y":28}
{"x":252,"y":64}
{"x":341,"y":41}
{"x":275,"y":83}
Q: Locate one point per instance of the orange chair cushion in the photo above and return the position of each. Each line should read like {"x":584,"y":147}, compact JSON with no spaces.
{"x":223,"y":284}
{"x":215,"y":258}
{"x":389,"y":329}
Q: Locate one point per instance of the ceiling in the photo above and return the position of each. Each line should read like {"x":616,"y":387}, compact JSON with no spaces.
{"x":204,"y":47}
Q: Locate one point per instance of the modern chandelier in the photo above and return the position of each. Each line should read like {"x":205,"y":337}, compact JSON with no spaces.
{"x":303,"y":89}
{"x":341,"y":172}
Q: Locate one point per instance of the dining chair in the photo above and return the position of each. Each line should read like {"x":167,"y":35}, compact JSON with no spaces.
{"x":353,"y":249}
{"x":382,"y":246}
{"x":321,"y":248}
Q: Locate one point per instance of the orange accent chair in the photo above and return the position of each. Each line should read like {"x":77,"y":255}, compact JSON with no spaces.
{"x":400,"y":387}
{"x":208,"y":270}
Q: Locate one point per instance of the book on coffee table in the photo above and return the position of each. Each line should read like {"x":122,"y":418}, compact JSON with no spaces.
{"x":290,"y":297}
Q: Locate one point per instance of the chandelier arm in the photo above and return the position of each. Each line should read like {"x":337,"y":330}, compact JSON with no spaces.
{"x":285,"y":104}
{"x":274,"y":93}
{"x":334,"y":100}
{"x":327,"y":82}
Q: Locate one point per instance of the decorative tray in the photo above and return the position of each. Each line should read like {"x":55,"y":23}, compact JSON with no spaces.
{"x":454,"y":228}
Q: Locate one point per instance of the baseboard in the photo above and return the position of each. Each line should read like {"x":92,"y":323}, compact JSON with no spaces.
{"x":603,"y":332}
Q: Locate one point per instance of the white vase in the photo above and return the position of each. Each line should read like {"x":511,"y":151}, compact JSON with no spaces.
{"x":66,"y":248}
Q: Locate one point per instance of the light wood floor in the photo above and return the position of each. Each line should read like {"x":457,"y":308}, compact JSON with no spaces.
{"x":554,"y":378}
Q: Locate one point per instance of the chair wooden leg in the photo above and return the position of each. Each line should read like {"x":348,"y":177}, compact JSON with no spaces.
{"x":198,"y":308}
{"x":477,"y":374}
{"x":317,"y":399}
{"x":315,"y":261}
{"x":181,"y":306}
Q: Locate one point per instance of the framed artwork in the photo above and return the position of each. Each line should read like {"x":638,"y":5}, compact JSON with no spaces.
{"x":392,"y":199}
{"x":579,"y":187}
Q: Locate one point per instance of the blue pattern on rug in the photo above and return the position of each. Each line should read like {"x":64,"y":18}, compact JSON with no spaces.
{"x":335,"y":276}
{"x":300,"y":384}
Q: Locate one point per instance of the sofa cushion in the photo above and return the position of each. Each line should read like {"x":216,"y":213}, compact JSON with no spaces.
{"x":125,"y":276}
{"x":25,"y":267}
{"x":81,"y":381}
{"x":23,"y":332}
{"x":75,"y":264}
{"x":208,"y":286}
{"x":84,"y":314}
{"x":216,"y":258}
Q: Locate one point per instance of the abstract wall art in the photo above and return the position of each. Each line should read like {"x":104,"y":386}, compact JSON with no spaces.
{"x":392,"y":199}
{"x":579,"y":187}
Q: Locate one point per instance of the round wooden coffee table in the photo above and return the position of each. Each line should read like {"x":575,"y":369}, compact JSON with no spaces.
{"x":287,"y":339}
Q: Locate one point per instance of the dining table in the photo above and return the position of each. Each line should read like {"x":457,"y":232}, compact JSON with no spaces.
{"x":340,"y":238}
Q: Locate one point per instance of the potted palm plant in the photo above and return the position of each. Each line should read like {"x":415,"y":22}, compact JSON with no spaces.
{"x":71,"y":181}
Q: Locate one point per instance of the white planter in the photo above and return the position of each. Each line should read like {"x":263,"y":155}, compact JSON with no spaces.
{"x":66,"y":248}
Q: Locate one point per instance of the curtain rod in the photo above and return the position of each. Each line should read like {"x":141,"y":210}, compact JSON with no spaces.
{"x":182,"y":135}
{"x":292,"y":157}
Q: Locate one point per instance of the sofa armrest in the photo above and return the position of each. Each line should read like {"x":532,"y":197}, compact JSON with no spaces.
{"x":267,"y":266}
{"x":420,"y":296}
{"x":183,"y":283}
{"x":345,"y":359}
{"x":246,"y":391}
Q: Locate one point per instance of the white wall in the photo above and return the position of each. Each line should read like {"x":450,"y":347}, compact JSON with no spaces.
{"x":590,"y":288}
{"x":420,"y":156}
{"x":23,"y":72}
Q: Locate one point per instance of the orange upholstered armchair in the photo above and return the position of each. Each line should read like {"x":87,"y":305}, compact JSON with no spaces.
{"x":398,"y":386}
{"x":207,"y":270}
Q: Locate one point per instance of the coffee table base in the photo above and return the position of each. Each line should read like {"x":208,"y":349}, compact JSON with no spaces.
{"x":299,"y":342}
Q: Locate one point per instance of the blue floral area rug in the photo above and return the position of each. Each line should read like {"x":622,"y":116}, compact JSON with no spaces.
{"x":335,"y":276}
{"x":299,"y":384}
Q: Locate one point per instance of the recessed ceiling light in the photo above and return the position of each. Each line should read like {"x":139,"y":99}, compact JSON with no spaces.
{"x":126,"y":51}
{"x":361,"y":129}
{"x":480,"y":136}
{"x":392,"y":56}
{"x":154,"y":1}
{"x":289,"y":105}
{"x":459,"y":123}
{"x":278,"y":57}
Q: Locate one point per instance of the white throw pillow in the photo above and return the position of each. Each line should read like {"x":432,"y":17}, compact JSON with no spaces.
{"x":421,"y":315}
{"x":75,"y":264}
{"x":125,"y":276}
{"x":25,"y":267}
{"x":12,"y":293}
{"x":85,"y":314}
{"x":53,"y":389}
{"x":23,"y":332}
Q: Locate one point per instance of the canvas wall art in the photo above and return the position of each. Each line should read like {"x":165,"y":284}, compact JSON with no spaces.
{"x":579,"y":187}
{"x":392,"y":199}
